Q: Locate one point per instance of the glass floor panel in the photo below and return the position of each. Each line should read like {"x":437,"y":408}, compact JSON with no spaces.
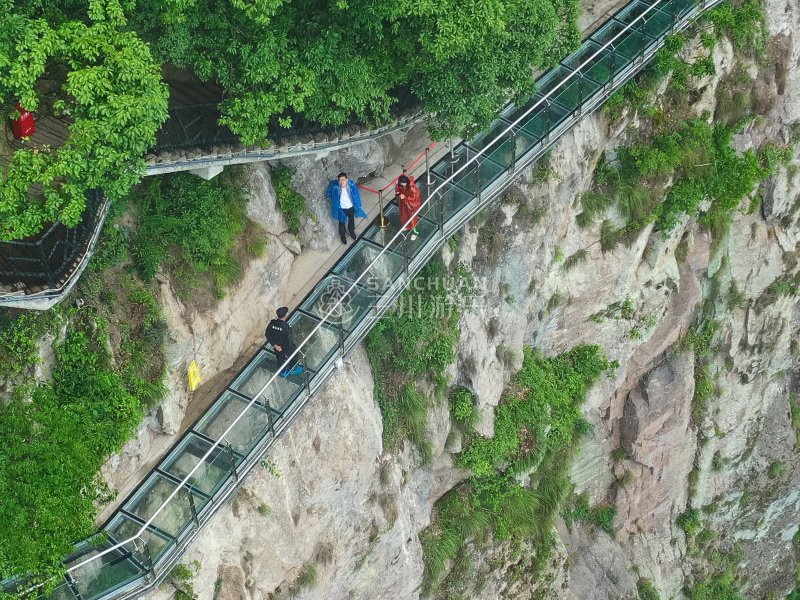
{"x":488,"y":137}
{"x":627,"y":46}
{"x":658,"y":23}
{"x":355,"y":307}
{"x":655,"y":23}
{"x":429,"y":210}
{"x":251,"y":428}
{"x":600,"y":65}
{"x":175,"y":517}
{"x":576,"y":92}
{"x":545,"y":119}
{"x":632,"y":10}
{"x":121,"y":528}
{"x":280,"y":393}
{"x":480,"y":173}
{"x":678,"y":8}
{"x":104,"y":574}
{"x":322,"y":345}
{"x":210,"y":476}
{"x":449,"y":199}
{"x":383,"y":272}
{"x":403,"y":244}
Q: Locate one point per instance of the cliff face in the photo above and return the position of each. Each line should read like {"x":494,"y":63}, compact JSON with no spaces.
{"x":353,"y":512}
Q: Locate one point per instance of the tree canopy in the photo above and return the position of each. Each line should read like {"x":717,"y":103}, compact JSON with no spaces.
{"x":90,"y":70}
{"x":328,"y":62}
{"x":335,"y":61}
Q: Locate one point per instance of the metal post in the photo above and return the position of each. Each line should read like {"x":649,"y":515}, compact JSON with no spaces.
{"x":613,"y":67}
{"x":232,"y":460}
{"x":453,"y":158}
{"x":382,"y":221}
{"x":428,"y":170}
{"x":73,"y":585}
{"x":143,"y":551}
{"x":513,"y":139}
{"x":192,"y":507}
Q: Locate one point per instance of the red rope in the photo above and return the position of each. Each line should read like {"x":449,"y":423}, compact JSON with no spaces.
{"x":408,"y":168}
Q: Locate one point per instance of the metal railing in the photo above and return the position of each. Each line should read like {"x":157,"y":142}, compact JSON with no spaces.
{"x":452,"y":194}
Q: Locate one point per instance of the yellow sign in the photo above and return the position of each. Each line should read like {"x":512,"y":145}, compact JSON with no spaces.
{"x":193,"y":376}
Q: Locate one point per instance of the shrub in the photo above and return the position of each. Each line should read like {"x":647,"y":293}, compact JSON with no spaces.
{"x":646,"y":589}
{"x":462,"y":408}
{"x":291,"y":204}
{"x":689,"y":521}
{"x":190,"y":226}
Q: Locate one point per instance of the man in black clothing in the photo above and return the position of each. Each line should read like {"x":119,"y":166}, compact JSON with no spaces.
{"x":279,"y":334}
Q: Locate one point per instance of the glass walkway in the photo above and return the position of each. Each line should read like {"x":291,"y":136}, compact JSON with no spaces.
{"x":147,"y":535}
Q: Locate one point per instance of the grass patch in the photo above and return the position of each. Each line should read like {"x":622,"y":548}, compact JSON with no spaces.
{"x":689,"y":521}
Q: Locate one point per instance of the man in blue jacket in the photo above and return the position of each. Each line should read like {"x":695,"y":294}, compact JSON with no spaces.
{"x":345,"y":204}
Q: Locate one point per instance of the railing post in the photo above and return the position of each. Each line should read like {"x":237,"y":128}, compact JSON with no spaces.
{"x":73,"y":585}
{"x":232,"y":460}
{"x":613,"y":67}
{"x":192,"y":508}
{"x":382,"y":221}
{"x":513,"y":166}
{"x":428,"y":170}
{"x":143,"y":551}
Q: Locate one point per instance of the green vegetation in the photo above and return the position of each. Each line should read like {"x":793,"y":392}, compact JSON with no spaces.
{"x":518,"y":476}
{"x":600,"y":516}
{"x":306,"y":579}
{"x":181,"y":578}
{"x":462,"y":408}
{"x":93,"y":72}
{"x":57,"y":437}
{"x":646,"y":589}
{"x":417,"y":339}
{"x":291,"y":203}
{"x":574,"y":260}
{"x":333,"y":62}
{"x":699,"y":339}
{"x":777,"y":470}
{"x":794,"y":409}
{"x":191,"y":227}
{"x":689,"y":521}
{"x":719,"y":586}
{"x":619,"y":454}
{"x":700,"y":163}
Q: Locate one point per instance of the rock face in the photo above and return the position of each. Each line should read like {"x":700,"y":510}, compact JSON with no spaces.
{"x":343,"y":505}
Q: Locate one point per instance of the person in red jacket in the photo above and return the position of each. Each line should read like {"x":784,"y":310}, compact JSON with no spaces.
{"x":409,"y":198}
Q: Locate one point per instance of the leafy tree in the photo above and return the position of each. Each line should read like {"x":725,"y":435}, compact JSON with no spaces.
{"x":332,"y":62}
{"x":97,"y":76}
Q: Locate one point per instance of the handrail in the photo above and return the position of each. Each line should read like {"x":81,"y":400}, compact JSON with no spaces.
{"x":184,"y":482}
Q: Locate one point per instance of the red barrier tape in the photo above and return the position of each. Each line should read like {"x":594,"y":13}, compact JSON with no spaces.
{"x":408,"y":168}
